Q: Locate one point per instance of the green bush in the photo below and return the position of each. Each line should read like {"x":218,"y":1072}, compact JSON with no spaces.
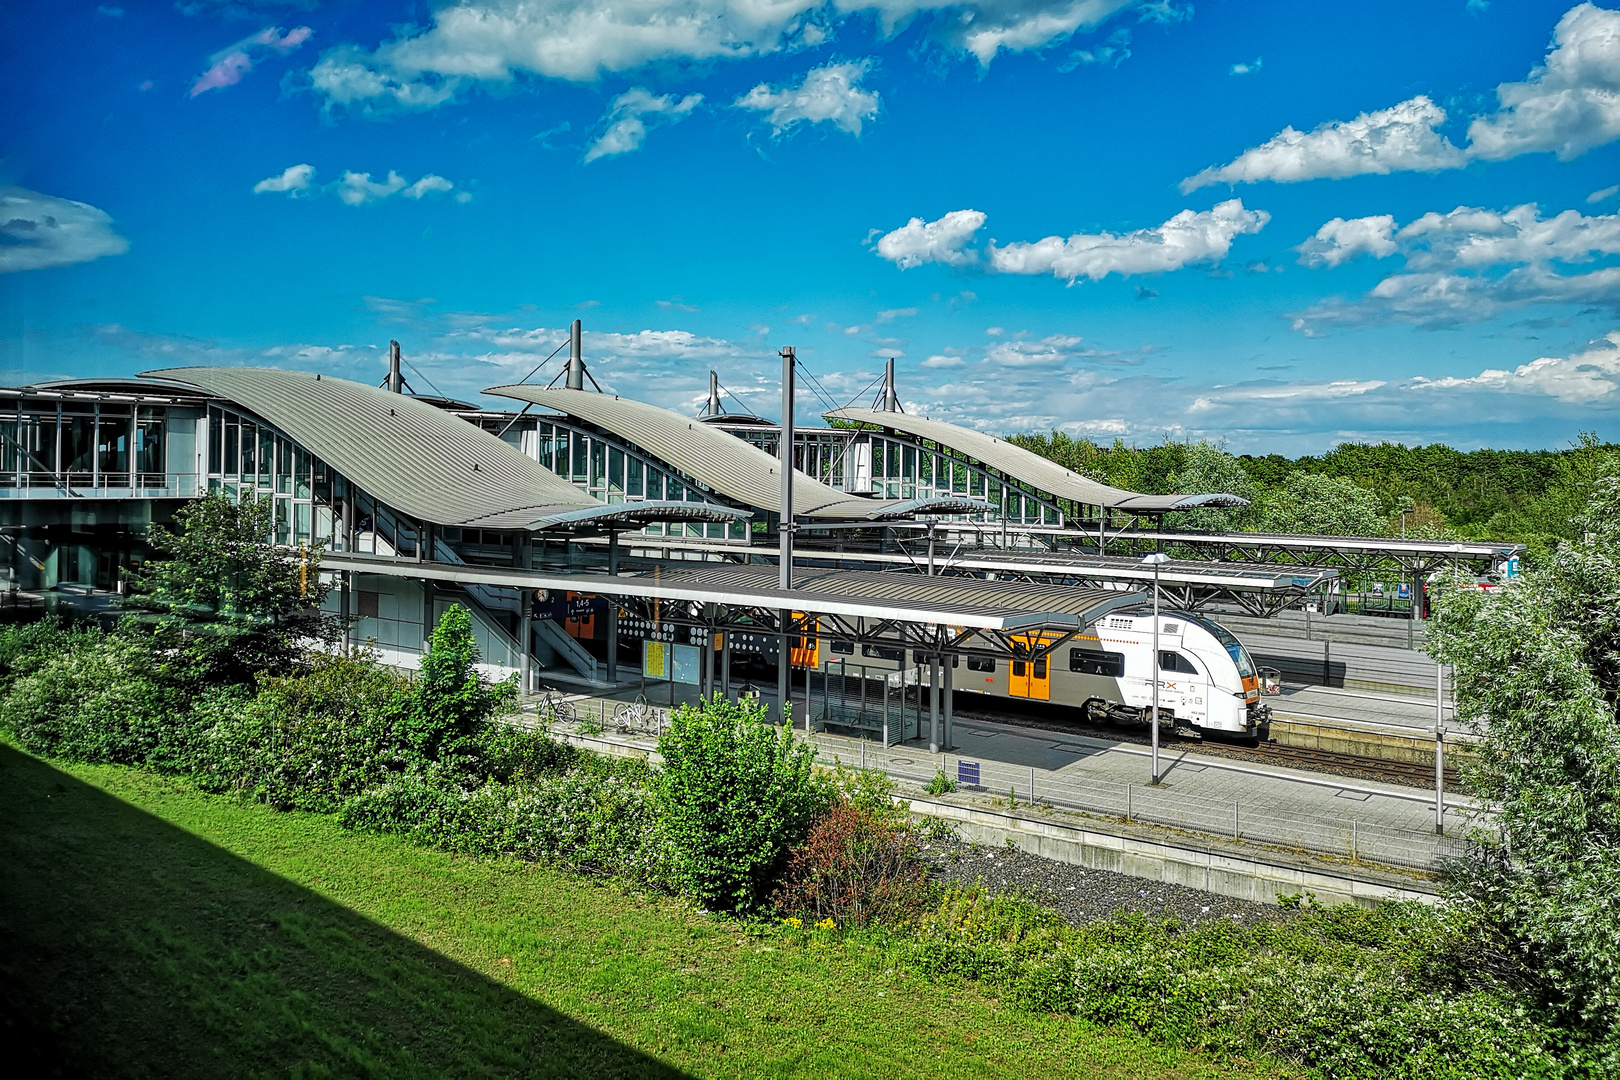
{"x":600,"y":821}
{"x":306,"y":742}
{"x":1344,"y":992}
{"x":450,"y":699}
{"x":855,"y":868}
{"x":734,"y":797}
{"x":98,"y":697}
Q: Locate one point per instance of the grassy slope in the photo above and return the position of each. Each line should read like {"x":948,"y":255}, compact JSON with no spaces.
{"x":148,"y":930}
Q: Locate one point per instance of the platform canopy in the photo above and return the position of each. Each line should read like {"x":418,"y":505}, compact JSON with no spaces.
{"x":1038,"y":472}
{"x":722,"y":462}
{"x":418,"y":459}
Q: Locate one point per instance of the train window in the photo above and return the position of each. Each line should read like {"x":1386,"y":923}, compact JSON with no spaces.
{"x":981,"y":663}
{"x":884,"y":652}
{"x":1174,"y":661}
{"x":1097,"y":662}
{"x":1040,"y":668}
{"x":844,"y":648}
{"x":1018,"y":669}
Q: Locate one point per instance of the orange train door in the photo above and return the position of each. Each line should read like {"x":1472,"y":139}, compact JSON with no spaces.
{"x":1030,"y":678}
{"x":804,"y":648}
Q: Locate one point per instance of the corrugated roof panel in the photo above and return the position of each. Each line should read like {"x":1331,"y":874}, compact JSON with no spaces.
{"x":412,"y":456}
{"x":1038,"y":472}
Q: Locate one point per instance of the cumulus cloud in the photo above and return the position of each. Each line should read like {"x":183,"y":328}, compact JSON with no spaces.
{"x":1247,"y":67}
{"x":1468,"y":264}
{"x":1339,"y":241}
{"x":496,"y":41}
{"x":38,"y":231}
{"x":830,"y":94}
{"x":1585,"y":378}
{"x":355,"y":188}
{"x":1567,"y":106}
{"x":943,"y":241}
{"x":630,"y":113}
{"x":294,"y":180}
{"x":1188,"y":237}
{"x":1395,"y":139}
{"x":226,"y":67}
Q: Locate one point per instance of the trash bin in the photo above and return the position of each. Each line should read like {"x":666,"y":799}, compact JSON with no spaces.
{"x":1270,"y":680}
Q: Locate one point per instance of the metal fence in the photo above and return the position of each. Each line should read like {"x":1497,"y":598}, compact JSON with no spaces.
{"x":1341,"y":836}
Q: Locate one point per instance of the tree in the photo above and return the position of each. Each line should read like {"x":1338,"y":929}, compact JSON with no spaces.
{"x":235,"y":604}
{"x":735,"y":796}
{"x":1209,"y":469}
{"x":451,"y":700}
{"x":1321,"y":506}
{"x":1538,"y":677}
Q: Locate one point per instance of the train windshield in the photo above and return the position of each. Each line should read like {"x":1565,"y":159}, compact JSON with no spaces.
{"x":1234,"y":648}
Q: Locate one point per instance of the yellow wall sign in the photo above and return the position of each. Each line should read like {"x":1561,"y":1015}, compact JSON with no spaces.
{"x":655,"y":660}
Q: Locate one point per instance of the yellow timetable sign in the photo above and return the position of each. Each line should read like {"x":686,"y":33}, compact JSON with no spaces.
{"x":655,"y":660}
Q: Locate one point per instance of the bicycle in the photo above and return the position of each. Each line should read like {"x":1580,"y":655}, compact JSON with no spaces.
{"x":554,"y":708}
{"x":637,"y":717}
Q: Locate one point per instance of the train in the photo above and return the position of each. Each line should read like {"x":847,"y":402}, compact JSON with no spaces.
{"x":1209,"y":686}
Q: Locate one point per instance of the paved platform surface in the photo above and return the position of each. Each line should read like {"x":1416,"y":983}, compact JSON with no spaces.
{"x":1334,"y":707}
{"x":1263,"y":804}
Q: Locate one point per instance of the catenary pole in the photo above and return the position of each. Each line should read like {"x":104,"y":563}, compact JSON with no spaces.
{"x":784,"y":664}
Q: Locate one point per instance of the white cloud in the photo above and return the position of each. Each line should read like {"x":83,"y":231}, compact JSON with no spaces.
{"x":942,"y":361}
{"x":1454,"y":264}
{"x":1111,"y":53}
{"x":1188,"y":237}
{"x":294,"y":180}
{"x":831,"y":94}
{"x":1395,"y":139}
{"x":496,"y":41}
{"x":894,"y":313}
{"x":1248,"y":67}
{"x":628,"y":116}
{"x":1604,"y":193}
{"x":355,"y":188}
{"x":39,"y":231}
{"x":917,"y":242}
{"x":1585,"y":378}
{"x":1339,"y":241}
{"x":1568,"y":105}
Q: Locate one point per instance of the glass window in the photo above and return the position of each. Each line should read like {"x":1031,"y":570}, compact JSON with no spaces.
{"x":579,"y":456}
{"x":112,"y":447}
{"x":248,"y":468}
{"x":632,"y":482}
{"x":323,"y":482}
{"x":284,"y":466}
{"x":1018,"y":669}
{"x":561,"y":465}
{"x":300,"y":472}
{"x":543,"y":444}
{"x":149,"y":447}
{"x":673,"y":491}
{"x":655,"y":485}
{"x":981,"y":663}
{"x":78,"y":442}
{"x":283,"y":521}
{"x":1170,"y":660}
{"x":301,"y":522}
{"x":1097,"y":662}
{"x":598,"y":456}
{"x":908,"y":467}
{"x":216,"y":438}
{"x":615,"y":473}
{"x":1040,"y":668}
{"x":267,"y":446}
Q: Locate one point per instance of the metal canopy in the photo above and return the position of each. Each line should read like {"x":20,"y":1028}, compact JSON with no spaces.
{"x":1040,"y":473}
{"x":418,"y":459}
{"x":853,"y":595}
{"x":722,"y":462}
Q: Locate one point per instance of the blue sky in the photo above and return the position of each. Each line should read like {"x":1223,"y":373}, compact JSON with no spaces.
{"x":1276,"y":224}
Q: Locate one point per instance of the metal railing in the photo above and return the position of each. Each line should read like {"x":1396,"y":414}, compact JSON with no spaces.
{"x":1347,"y":837}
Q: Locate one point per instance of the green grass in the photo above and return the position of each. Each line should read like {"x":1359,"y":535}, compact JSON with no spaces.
{"x":150,"y":930}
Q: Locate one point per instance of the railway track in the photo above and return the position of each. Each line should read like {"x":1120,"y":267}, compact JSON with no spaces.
{"x":1330,"y":762}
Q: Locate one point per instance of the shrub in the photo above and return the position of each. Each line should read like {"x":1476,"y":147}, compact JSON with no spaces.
{"x":871,"y":790}
{"x":450,"y":699}
{"x":735,"y":796}
{"x":940,"y":784}
{"x":97,"y":697}
{"x":306,"y":742}
{"x":855,"y":868}
{"x":1341,"y":991}
{"x":600,"y":821}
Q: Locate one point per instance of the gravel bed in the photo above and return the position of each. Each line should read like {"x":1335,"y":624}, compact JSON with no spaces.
{"x":1081,"y":895}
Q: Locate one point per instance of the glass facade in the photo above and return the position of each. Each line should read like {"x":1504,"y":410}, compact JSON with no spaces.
{"x":51,"y":442}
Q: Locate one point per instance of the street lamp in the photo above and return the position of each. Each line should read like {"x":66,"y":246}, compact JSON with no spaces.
{"x":1155,"y":560}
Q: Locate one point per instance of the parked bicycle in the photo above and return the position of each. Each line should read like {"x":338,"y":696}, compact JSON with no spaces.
{"x":637,"y":718}
{"x":553,"y":708}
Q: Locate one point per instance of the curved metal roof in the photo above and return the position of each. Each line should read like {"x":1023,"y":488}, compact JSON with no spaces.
{"x":412,"y":456}
{"x":721,"y":461}
{"x":1040,"y":473}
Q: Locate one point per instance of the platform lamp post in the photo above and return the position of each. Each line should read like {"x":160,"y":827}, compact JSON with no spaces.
{"x":1155,"y":560}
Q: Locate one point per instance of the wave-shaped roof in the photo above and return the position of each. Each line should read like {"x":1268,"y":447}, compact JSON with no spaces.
{"x":721,"y":461}
{"x":1040,"y":473}
{"x":416,"y":458}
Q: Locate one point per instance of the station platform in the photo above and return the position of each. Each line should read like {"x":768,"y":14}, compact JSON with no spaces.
{"x":1343,"y":821}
